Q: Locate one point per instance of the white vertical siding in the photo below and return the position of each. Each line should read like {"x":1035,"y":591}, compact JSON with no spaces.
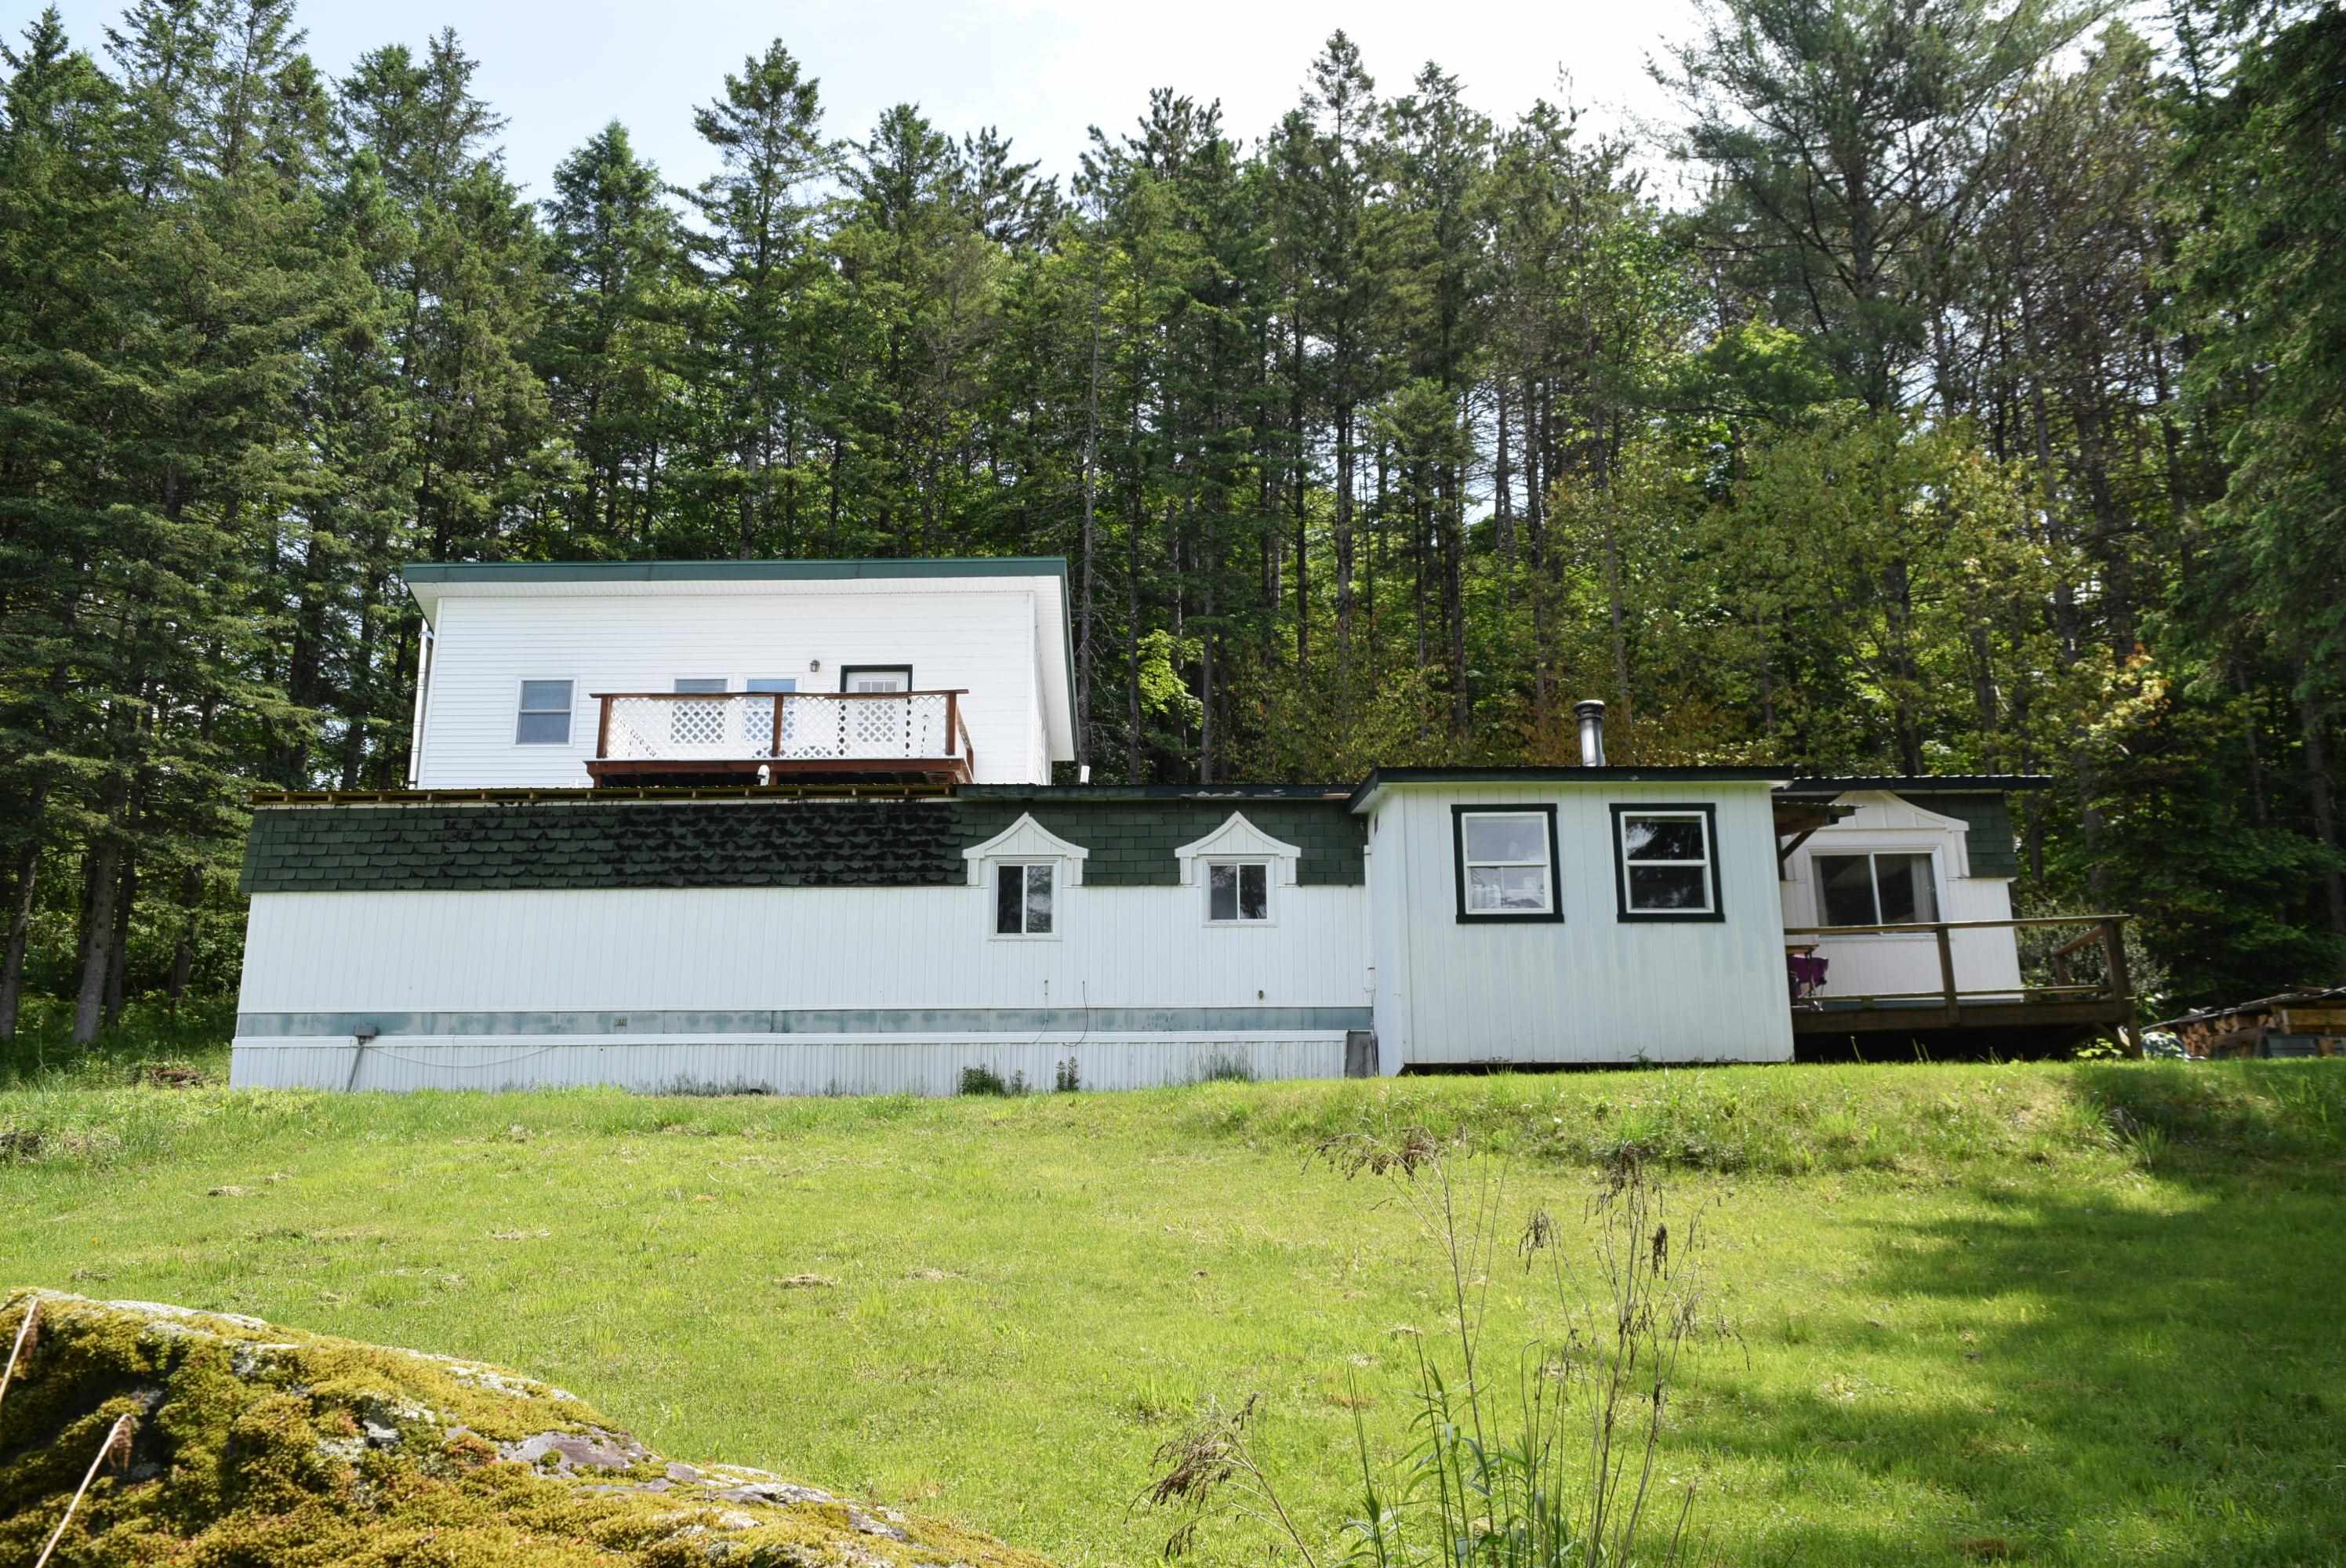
{"x":969,"y":635}
{"x":1892,"y":964}
{"x":1591,"y":988}
{"x":790,"y":990}
{"x":738,"y":949}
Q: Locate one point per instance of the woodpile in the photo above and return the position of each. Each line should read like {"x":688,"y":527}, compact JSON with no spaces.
{"x":2303,"y":1023}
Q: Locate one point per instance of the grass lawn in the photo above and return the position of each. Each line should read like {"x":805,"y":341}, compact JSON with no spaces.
{"x":2051,"y":1313}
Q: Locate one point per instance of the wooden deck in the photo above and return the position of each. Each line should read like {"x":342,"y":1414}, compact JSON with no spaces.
{"x":773,"y":737}
{"x":2064,"y":1009}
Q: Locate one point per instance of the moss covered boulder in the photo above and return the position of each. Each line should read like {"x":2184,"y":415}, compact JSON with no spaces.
{"x":254,"y":1444}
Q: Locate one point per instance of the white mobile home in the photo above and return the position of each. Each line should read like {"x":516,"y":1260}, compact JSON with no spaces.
{"x":793,"y":827}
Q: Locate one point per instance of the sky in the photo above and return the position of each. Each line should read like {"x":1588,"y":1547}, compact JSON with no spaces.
{"x":1042,"y":71}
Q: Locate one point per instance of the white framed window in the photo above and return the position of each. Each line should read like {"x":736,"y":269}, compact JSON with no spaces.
{"x":1876,"y":888}
{"x":1507,"y":867}
{"x":1024,"y":898}
{"x":1238,"y":892}
{"x":875,"y":678}
{"x":1665,"y":863}
{"x":544,"y":719}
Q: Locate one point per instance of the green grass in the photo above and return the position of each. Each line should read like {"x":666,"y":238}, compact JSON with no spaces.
{"x":2055,"y":1314}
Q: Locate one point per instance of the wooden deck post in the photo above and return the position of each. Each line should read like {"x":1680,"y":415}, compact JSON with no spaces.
{"x":603,"y":731}
{"x":952,"y":720}
{"x":2114,"y":954}
{"x":774,"y":746}
{"x":1947,"y":974}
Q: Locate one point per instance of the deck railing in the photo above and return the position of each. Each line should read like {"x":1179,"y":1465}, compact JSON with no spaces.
{"x":2107,"y":932}
{"x":784,"y":726}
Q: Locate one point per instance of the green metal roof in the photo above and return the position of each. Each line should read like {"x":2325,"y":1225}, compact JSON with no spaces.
{"x":1918,"y":783}
{"x":1383,"y":777}
{"x":731,"y":571}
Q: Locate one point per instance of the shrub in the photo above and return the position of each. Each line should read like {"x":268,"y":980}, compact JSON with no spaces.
{"x":980,"y":1080}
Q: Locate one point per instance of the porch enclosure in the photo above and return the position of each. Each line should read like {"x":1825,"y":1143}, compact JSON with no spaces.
{"x":1920,"y":974}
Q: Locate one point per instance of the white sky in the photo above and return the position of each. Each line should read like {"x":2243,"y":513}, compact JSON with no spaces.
{"x":1041,"y":70}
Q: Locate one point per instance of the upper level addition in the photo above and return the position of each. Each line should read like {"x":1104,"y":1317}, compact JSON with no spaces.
{"x":558,"y":674}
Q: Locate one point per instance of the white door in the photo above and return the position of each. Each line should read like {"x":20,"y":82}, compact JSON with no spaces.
{"x":878,"y":680}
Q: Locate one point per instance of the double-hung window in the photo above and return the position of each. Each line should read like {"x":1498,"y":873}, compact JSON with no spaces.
{"x":1022,"y":898}
{"x":1238,"y":892}
{"x":1876,"y":889}
{"x":1507,"y":863}
{"x":545,"y":716}
{"x":1665,"y":863}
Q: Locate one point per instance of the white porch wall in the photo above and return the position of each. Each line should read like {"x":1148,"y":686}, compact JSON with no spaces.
{"x":485,"y":646}
{"x":1891,"y":964}
{"x":1593,"y":988}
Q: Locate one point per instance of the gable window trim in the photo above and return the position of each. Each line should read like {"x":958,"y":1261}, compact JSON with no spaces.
{"x":1026,"y":842}
{"x":1239,"y":866}
{"x":1545,"y":811}
{"x":1704,"y":811}
{"x":848,"y":672}
{"x":525,"y":710}
{"x":1872,"y":853}
{"x":1025,"y":868}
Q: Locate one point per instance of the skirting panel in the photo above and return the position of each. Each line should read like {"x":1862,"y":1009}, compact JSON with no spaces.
{"x":797,"y":1064}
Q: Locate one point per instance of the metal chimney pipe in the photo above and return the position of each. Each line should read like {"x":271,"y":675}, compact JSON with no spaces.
{"x":1592,"y":732}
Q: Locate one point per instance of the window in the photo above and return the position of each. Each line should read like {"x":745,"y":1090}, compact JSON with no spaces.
{"x":545,"y":719}
{"x":1022,"y":900}
{"x":771,"y":683}
{"x":1665,"y":866}
{"x":1507,"y":863}
{"x":699,"y":724}
{"x":875,"y":678}
{"x":1238,"y":892}
{"x":1876,"y":889}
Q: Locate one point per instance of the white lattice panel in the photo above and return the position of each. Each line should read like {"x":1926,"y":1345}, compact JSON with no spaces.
{"x":815,"y":727}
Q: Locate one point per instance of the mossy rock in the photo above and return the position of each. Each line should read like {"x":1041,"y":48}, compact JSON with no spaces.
{"x":261,"y":1445}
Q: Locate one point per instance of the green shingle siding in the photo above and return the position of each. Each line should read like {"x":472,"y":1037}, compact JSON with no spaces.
{"x":695,"y":844}
{"x":1989,"y":845}
{"x":1132,"y":845}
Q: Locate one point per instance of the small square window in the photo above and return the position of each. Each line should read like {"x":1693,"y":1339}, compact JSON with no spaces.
{"x":1238,"y":892}
{"x":544,"y":717}
{"x":1665,"y":863}
{"x":1022,"y":899}
{"x":1507,"y":863}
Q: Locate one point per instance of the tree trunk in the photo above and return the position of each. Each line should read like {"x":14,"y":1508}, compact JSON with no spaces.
{"x":1086,"y":548}
{"x":2320,"y":795}
{"x":104,"y":877}
{"x":20,"y":919}
{"x":183,"y":952}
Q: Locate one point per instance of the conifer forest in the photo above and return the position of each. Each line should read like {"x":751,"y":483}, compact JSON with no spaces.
{"x":1948,"y":385}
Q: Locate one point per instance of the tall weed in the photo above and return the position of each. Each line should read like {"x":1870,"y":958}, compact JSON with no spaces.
{"x":1548,"y":1463}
